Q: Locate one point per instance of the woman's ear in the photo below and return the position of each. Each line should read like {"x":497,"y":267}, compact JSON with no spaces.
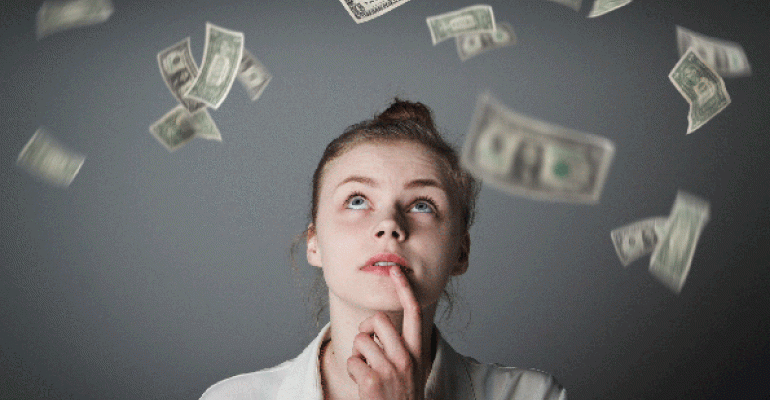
{"x":465,"y":249}
{"x":313,"y":253}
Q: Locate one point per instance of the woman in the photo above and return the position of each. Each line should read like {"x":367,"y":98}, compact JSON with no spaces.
{"x":389,"y":224}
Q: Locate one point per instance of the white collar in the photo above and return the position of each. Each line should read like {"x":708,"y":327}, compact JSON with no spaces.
{"x":448,"y":379}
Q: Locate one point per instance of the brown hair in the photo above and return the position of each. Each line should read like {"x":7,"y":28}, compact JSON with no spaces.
{"x":402,"y":121}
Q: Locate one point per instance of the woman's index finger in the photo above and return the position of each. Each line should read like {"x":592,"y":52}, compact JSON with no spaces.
{"x":412,"y":325}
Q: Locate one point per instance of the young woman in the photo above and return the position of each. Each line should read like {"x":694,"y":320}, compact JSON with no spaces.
{"x":389,"y":225}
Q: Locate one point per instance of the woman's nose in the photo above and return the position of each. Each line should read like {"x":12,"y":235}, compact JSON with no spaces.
{"x":393,"y":226}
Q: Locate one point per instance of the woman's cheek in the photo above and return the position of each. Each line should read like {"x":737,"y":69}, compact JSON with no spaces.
{"x":352,"y":222}
{"x":428,"y":224}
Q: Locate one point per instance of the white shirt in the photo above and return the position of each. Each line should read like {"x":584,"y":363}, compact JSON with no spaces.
{"x":452,"y":376}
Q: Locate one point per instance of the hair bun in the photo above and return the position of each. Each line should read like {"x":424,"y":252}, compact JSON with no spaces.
{"x":403,"y":110}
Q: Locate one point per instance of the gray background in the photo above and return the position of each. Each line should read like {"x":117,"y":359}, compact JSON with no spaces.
{"x":157,"y":274}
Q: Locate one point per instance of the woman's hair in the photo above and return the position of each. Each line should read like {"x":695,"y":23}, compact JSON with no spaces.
{"x":402,"y":121}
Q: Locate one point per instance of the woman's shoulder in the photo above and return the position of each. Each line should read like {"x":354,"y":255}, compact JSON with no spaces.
{"x":292,"y":379}
{"x":262,"y":384}
{"x":517,"y":383}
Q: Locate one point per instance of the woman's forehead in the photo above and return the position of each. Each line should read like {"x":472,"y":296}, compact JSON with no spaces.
{"x":399,"y":161}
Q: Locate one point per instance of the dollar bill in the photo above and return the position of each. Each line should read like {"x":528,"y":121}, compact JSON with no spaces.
{"x":701,"y":86}
{"x":221,"y":56}
{"x":473,"y":44}
{"x":364,"y":10}
{"x":60,"y":15}
{"x":204,"y":126}
{"x":178,"y":69}
{"x":474,"y":19}
{"x":602,"y":7}
{"x":253,"y":75}
{"x":43,"y":156}
{"x":670,"y":261}
{"x":727,"y":58}
{"x":179,"y":126}
{"x":531,"y":158}
{"x":573,"y":4}
{"x":637,"y":239}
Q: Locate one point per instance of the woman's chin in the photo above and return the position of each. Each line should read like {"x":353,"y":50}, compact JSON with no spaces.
{"x":384,"y":304}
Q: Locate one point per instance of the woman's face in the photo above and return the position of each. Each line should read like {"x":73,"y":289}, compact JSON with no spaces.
{"x":386,"y":198}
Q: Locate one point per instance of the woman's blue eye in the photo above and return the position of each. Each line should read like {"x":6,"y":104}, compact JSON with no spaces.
{"x":426,"y":207}
{"x":357,"y":202}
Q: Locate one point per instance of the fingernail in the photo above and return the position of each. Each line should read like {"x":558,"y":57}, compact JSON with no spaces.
{"x":396,"y":271}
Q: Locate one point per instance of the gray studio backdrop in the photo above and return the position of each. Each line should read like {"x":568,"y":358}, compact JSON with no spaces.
{"x":157,"y":274}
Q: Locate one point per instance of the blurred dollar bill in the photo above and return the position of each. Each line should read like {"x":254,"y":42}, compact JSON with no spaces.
{"x":364,"y":10}
{"x":670,"y":261}
{"x":573,"y":4}
{"x":701,"y":86}
{"x":727,"y":58}
{"x":221,"y":56}
{"x":474,"y":19}
{"x":473,"y":44}
{"x":179,"y":126}
{"x":59,"y":15}
{"x":43,"y":156}
{"x":178,"y":69}
{"x":637,"y":239}
{"x":253,"y":75}
{"x":531,"y":158}
{"x":602,"y":7}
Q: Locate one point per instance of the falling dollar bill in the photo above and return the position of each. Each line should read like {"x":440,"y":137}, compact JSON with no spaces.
{"x":221,"y":56}
{"x":637,"y":239}
{"x":527,"y":157}
{"x":364,"y":10}
{"x":473,"y":44}
{"x":179,"y":126}
{"x":60,"y":15}
{"x":253,"y":75}
{"x":43,"y":156}
{"x":727,"y":58}
{"x":602,"y":7}
{"x":670,"y":261}
{"x":701,"y":86}
{"x":474,"y":19}
{"x":573,"y":4}
{"x":178,"y":69}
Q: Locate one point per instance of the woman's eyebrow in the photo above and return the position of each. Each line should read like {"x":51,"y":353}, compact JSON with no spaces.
{"x":422,"y":182}
{"x":425,"y":182}
{"x":359,"y":179}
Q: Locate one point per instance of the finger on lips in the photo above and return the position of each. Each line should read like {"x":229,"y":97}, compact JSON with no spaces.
{"x":412,"y":313}
{"x":396,"y":350}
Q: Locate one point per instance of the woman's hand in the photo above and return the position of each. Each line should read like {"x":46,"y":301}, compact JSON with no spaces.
{"x":397,"y":373}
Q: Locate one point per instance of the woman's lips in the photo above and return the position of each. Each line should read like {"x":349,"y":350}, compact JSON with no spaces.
{"x":388,"y":258}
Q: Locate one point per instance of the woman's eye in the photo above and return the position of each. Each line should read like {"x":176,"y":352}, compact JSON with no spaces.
{"x":422,"y":207}
{"x":356,"y":202}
